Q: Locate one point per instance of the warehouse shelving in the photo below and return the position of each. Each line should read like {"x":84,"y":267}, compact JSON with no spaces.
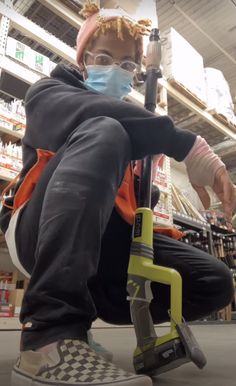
{"x":6,"y":174}
{"x":184,"y":220}
{"x":18,"y":70}
{"x":14,"y":136}
{"x":200,"y":112}
{"x":3,"y":176}
{"x":13,"y":133}
{"x":32,"y":30}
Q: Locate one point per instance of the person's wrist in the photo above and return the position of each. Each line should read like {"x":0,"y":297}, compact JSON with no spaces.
{"x":202,"y":164}
{"x":205,"y":173}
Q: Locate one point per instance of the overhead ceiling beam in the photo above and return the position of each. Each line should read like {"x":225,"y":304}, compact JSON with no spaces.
{"x":204,"y":33}
{"x":64,"y":12}
{"x":22,"y":6}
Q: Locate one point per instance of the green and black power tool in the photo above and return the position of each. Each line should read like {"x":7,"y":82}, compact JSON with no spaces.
{"x":155,"y":355}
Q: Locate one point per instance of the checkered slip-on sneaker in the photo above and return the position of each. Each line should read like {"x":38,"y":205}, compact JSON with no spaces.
{"x":98,"y":348}
{"x":71,"y":363}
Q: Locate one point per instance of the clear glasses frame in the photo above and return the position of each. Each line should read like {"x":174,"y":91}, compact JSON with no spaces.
{"x":107,"y":60}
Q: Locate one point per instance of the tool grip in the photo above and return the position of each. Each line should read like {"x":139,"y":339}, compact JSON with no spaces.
{"x":140,"y":296}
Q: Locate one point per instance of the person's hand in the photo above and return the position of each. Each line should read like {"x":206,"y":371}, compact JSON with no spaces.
{"x":225,"y":191}
{"x":205,"y":168}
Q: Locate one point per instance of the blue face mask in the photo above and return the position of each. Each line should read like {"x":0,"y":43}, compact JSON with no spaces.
{"x":109,"y":80}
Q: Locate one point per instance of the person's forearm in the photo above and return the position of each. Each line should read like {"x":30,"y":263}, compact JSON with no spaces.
{"x":202,"y":163}
{"x":54,"y":110}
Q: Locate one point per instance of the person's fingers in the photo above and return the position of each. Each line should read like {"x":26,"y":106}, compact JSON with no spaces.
{"x":203,"y":195}
{"x":224,"y":189}
{"x":227,"y":203}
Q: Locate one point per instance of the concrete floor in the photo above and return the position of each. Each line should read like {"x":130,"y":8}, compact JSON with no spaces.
{"x":217,"y":341}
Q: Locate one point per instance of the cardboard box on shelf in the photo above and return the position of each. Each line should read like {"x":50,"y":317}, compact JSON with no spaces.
{"x":219,"y":99}
{"x":182,"y":63}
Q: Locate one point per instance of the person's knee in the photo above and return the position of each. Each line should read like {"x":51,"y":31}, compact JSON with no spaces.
{"x":112,"y":136}
{"x":105,"y":134}
{"x":225,"y":287}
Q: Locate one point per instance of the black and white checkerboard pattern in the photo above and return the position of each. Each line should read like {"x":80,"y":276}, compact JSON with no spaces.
{"x":79,"y":364}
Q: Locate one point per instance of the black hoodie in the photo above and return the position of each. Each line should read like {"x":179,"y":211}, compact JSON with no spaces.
{"x":56,"y":105}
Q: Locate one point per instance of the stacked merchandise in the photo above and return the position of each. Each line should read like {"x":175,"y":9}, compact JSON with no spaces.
{"x":197,"y":239}
{"x":188,"y":74}
{"x":224,"y":246}
{"x":205,"y":86}
{"x":12,"y":115}
{"x":183,"y":206}
{"x":220,"y":243}
{"x":32,"y":59}
{"x":219,"y":100}
{"x":12,"y":118}
{"x":6,"y":308}
{"x":10,"y":159}
{"x":161,"y":177}
{"x":215,"y":217}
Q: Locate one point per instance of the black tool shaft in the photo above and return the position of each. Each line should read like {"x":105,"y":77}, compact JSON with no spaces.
{"x":152,"y":74}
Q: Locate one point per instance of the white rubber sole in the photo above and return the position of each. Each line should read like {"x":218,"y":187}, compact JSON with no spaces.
{"x":18,"y":379}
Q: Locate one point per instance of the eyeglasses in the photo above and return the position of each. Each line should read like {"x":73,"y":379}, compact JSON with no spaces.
{"x":107,"y":60}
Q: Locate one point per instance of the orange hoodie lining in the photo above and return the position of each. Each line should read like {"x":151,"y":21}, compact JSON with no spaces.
{"x":125,"y":202}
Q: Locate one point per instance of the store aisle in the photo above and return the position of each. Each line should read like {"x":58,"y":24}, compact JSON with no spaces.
{"x":218,"y":342}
